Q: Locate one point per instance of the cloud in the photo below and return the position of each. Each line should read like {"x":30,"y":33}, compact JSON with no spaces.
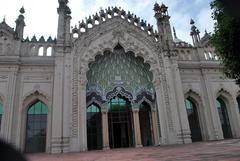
{"x":204,"y":20}
{"x":41,"y":16}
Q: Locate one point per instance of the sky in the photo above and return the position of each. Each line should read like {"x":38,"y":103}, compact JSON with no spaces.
{"x":41,"y":15}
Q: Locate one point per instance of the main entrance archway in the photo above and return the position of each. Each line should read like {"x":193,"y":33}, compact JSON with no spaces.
{"x":120,"y":123}
{"x":119,"y":80}
{"x":224,"y":118}
{"x":193,"y":120}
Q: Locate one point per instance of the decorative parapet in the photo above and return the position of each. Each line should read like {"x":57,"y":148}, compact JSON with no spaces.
{"x":39,"y":47}
{"x":108,"y":14}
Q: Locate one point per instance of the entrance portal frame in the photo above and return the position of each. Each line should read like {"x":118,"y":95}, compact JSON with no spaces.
{"x":85,"y":50}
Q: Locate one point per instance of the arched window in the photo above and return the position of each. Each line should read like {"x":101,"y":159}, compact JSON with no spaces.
{"x":75,"y":35}
{"x":210,"y":55}
{"x":94,"y":127}
{"x":1,"y":114}
{"x":206,"y":56}
{"x":32,"y":50}
{"x":82,"y":29}
{"x":193,"y":120}
{"x":224,"y":119}
{"x":49,"y":51}
{"x":36,"y":128}
{"x":40,"y":51}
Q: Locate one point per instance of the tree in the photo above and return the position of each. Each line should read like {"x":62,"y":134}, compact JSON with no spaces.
{"x":226,"y":37}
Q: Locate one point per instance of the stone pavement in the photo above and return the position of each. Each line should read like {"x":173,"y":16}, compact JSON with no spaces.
{"x":228,"y":150}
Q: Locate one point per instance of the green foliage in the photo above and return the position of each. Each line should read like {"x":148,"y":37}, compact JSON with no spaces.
{"x":226,"y":39}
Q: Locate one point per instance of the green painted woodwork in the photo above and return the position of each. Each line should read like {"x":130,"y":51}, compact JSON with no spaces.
{"x":117,"y":103}
{"x":120,"y":69}
{"x":217,"y":104}
{"x":188,"y":104}
{"x":38,"y":108}
{"x":93,"y":108}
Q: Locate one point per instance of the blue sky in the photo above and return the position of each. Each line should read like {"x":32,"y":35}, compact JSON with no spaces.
{"x":41,"y":16}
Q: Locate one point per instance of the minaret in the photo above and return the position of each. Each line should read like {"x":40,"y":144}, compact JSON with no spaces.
{"x":194,"y":33}
{"x":163,"y":23}
{"x":64,"y":18}
{"x":20,"y":24}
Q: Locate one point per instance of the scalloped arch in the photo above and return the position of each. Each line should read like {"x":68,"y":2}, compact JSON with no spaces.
{"x":107,"y":41}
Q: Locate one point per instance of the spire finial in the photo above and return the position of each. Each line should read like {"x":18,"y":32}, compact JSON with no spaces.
{"x":22,"y":10}
{"x":174,"y":33}
{"x":4,"y":18}
{"x":192,"y":21}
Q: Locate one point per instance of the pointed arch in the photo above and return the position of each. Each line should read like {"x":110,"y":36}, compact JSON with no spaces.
{"x":227,"y":113}
{"x":194,"y":96}
{"x":94,"y":127}
{"x":200,"y":114}
{"x":28,"y":101}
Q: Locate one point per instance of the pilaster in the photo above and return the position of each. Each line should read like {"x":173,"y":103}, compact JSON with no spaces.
{"x":164,"y":128}
{"x":215,"y":124}
{"x":58,"y":103}
{"x":184,"y":131}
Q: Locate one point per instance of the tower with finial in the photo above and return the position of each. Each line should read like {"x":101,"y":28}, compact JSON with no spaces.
{"x":64,"y":12}
{"x":194,"y":33}
{"x":20,"y":24}
{"x":163,"y":23}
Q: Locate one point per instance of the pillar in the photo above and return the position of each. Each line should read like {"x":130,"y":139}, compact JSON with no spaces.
{"x":105,"y":129}
{"x":137,"y":132}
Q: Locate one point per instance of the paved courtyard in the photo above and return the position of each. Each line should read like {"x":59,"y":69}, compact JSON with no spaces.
{"x":202,"y":151}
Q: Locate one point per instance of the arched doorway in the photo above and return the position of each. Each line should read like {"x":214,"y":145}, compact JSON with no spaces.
{"x":238,"y":101}
{"x":224,"y":119}
{"x":120,"y":122}
{"x":36,"y":128}
{"x":145,"y":124}
{"x":193,"y":120}
{"x":94,"y":127}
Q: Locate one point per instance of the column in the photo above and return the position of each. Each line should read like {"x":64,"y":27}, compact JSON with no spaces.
{"x":105,"y":129}
{"x":155,"y":128}
{"x":137,"y":132}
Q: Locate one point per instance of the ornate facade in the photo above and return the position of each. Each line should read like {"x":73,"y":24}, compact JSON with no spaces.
{"x":112,"y":82}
